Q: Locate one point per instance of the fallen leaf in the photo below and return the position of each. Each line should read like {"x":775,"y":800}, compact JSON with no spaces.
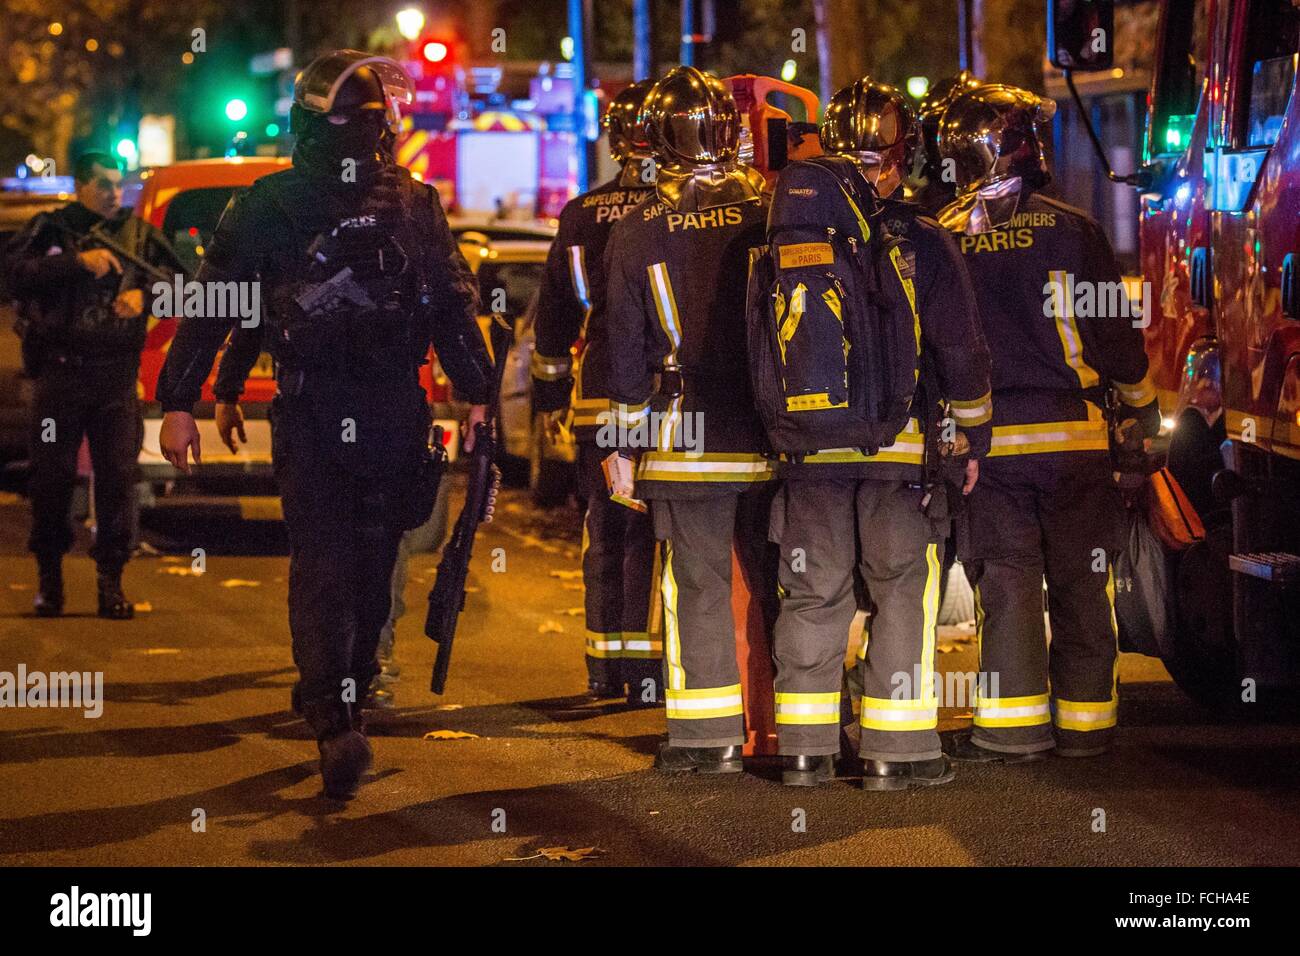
{"x":240,"y":583}
{"x":170,"y":559}
{"x":574,"y":586}
{"x":573,"y":611}
{"x":144,"y":607}
{"x":946,"y":648}
{"x":449,"y":707}
{"x":20,"y":587}
{"x":969,"y":715}
{"x":654,"y":813}
{"x":179,"y":571}
{"x":450,"y":735}
{"x":151,"y":651}
{"x":567,"y":575}
{"x":472,"y":589}
{"x":551,"y":627}
{"x":560,"y":853}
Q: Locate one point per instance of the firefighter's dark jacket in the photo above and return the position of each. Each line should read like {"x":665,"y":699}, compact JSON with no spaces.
{"x":954,"y":363}
{"x":263,"y":235}
{"x":571,"y":306}
{"x":67,"y":312}
{"x":1055,"y":312}
{"x":676,"y":300}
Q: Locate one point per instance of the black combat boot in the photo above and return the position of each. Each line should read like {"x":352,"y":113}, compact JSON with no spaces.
{"x":963,"y":748}
{"x":112,"y":602}
{"x":49,"y":596}
{"x":802,"y":770}
{"x":901,"y":774}
{"x":603,"y":690}
{"x":345,"y":753}
{"x":699,"y":759}
{"x":645,"y":690}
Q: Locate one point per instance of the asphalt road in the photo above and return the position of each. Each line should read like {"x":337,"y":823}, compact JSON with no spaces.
{"x":196,"y":728}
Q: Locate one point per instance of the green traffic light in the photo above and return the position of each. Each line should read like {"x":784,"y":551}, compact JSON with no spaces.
{"x":236,"y":110}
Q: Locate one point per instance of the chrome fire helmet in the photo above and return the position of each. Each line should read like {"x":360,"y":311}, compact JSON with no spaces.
{"x":991,"y":134}
{"x":935,"y":103}
{"x":873,"y":123}
{"x":693,"y":126}
{"x":348,"y":81}
{"x":627,"y":137}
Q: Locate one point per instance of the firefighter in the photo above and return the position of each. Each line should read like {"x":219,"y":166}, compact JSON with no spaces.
{"x":844,"y":507}
{"x":618,"y":542}
{"x":85,"y":312}
{"x":681,"y":403}
{"x":1046,"y":505}
{"x":350,"y":420}
{"x":936,"y":188}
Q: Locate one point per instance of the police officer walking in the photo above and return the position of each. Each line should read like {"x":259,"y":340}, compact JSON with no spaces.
{"x":843,"y":508}
{"x":682,"y":404}
{"x":85,"y":312}
{"x":361,"y":273}
{"x":1046,"y":505}
{"x":618,"y":543}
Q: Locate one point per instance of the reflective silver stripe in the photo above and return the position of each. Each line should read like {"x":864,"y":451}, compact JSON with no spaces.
{"x":643,"y":645}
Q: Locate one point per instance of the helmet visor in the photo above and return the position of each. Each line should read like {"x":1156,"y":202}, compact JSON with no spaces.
{"x":318,"y":85}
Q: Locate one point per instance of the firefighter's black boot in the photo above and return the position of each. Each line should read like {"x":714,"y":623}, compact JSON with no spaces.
{"x":603,"y":690}
{"x":805,"y":771}
{"x":49,"y":594}
{"x":112,"y":602}
{"x":963,"y":748}
{"x":901,"y":774}
{"x":699,"y":759}
{"x":345,"y":753}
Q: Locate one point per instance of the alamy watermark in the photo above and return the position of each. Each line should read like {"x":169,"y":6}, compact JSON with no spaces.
{"x":72,"y":689}
{"x":1096,"y":300}
{"x":212,"y":300}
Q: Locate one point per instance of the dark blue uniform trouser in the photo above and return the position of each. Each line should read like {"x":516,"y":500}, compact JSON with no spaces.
{"x":341,"y":560}
{"x":97,"y":402}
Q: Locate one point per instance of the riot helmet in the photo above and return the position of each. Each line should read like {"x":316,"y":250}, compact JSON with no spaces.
{"x":693,"y":127}
{"x":874,"y":124}
{"x":346,"y":83}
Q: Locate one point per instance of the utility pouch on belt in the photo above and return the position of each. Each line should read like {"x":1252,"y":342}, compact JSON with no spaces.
{"x":832,"y":329}
{"x":415,"y":505}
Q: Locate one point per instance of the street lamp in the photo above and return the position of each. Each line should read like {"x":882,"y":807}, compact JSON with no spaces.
{"x":410,"y":21}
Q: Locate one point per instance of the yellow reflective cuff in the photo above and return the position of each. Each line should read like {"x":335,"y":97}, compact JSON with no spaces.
{"x":1143,"y":393}
{"x":1086,"y":715}
{"x":1030,"y":711}
{"x":547,"y":368}
{"x":589,"y":411}
{"x":878,"y":713}
{"x":604,"y":646}
{"x":704,"y":702}
{"x":640,"y":645}
{"x":794,"y":708}
{"x":627,"y":416}
{"x":970,"y":414}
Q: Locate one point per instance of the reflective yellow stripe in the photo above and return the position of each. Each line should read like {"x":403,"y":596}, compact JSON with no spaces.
{"x":702,"y":703}
{"x":604,"y":645}
{"x":627,"y":416}
{"x":1068,"y":330}
{"x":1029,"y":711}
{"x":640,"y":644}
{"x":1044,"y":437}
{"x":908,"y":449}
{"x":1143,"y":393}
{"x":672,"y":633}
{"x":970,"y":414}
{"x":546,"y":368}
{"x":718,"y":466}
{"x":588,"y":411}
{"x":879,"y":713}
{"x":797,"y":708}
{"x":1086,"y":715}
{"x":930,"y":602}
{"x":811,"y":403}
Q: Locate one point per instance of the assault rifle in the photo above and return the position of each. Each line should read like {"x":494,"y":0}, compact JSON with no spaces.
{"x":447,"y":598}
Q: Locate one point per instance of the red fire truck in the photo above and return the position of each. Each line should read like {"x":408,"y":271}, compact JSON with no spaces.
{"x":1219,"y":232}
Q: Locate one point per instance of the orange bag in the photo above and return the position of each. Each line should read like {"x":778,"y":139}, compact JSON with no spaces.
{"x":1172,"y":517}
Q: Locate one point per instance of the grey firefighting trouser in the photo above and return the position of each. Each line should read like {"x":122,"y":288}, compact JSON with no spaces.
{"x":1054,"y":516}
{"x":705,"y":708}
{"x":618,"y":556}
{"x":824,"y":529}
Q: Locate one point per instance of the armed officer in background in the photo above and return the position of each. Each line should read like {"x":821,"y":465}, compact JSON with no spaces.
{"x":85,"y":312}
{"x":618,"y":542}
{"x":838,"y":503}
{"x":1046,"y":504}
{"x":361,"y":274}
{"x":682,"y":403}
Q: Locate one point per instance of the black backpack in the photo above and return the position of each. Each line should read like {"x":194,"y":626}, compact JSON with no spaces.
{"x":833,"y":332}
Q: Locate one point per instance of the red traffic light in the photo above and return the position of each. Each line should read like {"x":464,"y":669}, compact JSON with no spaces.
{"x":434,"y":51}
